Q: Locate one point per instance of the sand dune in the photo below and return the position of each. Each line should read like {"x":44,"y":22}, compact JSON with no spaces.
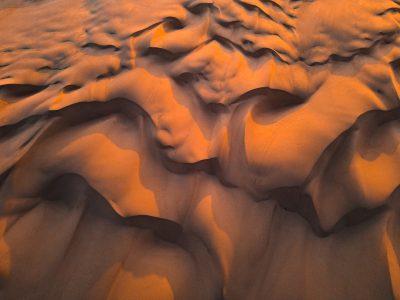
{"x":188,"y":149}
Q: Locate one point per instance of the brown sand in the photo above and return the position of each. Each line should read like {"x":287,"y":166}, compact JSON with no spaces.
{"x":226,"y":149}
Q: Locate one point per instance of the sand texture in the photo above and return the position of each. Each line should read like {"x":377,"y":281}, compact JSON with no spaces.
{"x":199,"y":149}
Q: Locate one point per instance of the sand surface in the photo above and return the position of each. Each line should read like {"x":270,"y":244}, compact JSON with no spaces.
{"x":199,"y":150}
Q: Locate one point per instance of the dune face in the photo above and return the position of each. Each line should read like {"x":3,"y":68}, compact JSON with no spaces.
{"x":226,"y":149}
